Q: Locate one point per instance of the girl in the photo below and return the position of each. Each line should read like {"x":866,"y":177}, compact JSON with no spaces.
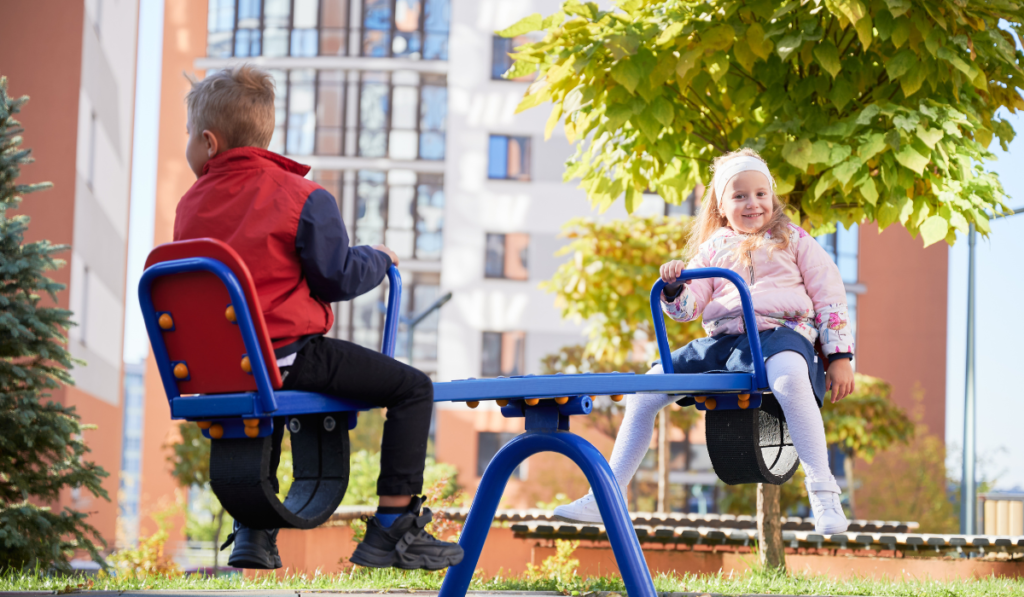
{"x":798,"y":298}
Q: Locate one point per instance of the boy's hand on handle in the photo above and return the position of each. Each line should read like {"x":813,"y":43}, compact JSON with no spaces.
{"x":388,"y":252}
{"x":839,"y":379}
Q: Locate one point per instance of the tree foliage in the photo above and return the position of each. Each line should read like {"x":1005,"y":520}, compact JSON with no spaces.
{"x":607,"y":283}
{"x":865,"y":109}
{"x":42,"y":452}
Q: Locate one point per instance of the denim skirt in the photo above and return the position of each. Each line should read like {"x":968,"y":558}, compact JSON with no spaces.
{"x":730,"y":353}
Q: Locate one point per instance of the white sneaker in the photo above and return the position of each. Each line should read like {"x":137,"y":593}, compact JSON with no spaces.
{"x":582,"y":510}
{"x":829,"y":518}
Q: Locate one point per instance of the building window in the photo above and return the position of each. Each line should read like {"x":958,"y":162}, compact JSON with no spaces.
{"x":390,"y":28}
{"x":508,"y":158}
{"x":419,"y":291}
{"x":507,"y":256}
{"x":402,"y":115}
{"x":500,"y":59}
{"x":487,"y":445}
{"x":504,"y":354}
{"x":401,"y":209}
{"x":406,"y":28}
{"x":246,"y":28}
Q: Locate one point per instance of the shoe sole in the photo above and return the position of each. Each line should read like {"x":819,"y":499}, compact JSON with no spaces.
{"x":832,"y":531}
{"x":251,"y":560}
{"x":576,"y":520}
{"x":371,"y":557}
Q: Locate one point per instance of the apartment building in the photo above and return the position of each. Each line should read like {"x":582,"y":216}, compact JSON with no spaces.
{"x":76,"y":61}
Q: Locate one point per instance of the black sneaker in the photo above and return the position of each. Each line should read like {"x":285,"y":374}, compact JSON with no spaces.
{"x":405,"y":544}
{"x":254,"y":548}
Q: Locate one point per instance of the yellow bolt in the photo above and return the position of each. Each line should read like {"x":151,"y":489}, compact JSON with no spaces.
{"x":561,"y":400}
{"x":180,"y":371}
{"x":251,"y":431}
{"x":472,"y":403}
{"x":532,"y":401}
{"x":204,"y":424}
{"x":744,"y":404}
{"x":251,"y":422}
{"x":216,"y":431}
{"x":617,"y":398}
{"x":700,"y":398}
{"x":229,"y":313}
{"x":710,"y":404}
{"x":165,"y":321}
{"x":246,"y":365}
{"x":743,"y":397}
{"x":502,"y":403}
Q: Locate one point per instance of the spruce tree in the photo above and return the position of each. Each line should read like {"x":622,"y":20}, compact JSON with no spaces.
{"x":41,"y":447}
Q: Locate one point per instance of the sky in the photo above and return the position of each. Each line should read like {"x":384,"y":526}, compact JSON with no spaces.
{"x":999,"y":283}
{"x":999,"y":290}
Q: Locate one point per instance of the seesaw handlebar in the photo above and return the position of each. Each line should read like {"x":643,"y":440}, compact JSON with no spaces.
{"x":750,"y":322}
{"x":391,"y":314}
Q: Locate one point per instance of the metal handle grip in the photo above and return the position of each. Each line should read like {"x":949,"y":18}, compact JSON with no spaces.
{"x":750,"y":322}
{"x":392,"y":315}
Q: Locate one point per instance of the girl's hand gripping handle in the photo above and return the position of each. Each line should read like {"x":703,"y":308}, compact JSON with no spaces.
{"x":670,"y":273}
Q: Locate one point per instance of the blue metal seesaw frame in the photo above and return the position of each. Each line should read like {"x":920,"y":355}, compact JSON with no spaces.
{"x":547,"y":420}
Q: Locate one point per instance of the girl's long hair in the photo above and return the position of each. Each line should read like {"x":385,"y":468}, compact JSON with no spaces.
{"x":710,"y":219}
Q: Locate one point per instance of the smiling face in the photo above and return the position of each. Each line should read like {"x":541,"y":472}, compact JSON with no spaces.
{"x":747,"y":202}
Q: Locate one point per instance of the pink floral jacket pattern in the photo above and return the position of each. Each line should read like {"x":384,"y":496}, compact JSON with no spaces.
{"x":798,"y":287}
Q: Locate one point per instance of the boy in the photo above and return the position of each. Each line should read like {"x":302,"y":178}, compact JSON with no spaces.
{"x":289,"y":231}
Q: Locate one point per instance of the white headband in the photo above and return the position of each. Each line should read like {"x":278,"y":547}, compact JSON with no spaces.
{"x":733,"y":167}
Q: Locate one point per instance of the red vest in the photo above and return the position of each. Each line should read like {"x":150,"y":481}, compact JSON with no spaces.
{"x":251,"y":199}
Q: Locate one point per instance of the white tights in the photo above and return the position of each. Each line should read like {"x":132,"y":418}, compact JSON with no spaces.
{"x":789,"y":381}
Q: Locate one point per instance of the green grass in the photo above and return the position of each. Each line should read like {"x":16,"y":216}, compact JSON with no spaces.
{"x":751,"y":582}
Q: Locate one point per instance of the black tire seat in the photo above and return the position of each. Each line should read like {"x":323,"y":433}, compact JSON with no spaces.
{"x":240,"y":474}
{"x":752,"y":445}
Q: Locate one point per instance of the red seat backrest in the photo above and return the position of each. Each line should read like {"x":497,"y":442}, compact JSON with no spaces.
{"x":210,"y":345}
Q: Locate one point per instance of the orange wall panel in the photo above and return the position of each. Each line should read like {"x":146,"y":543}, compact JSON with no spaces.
{"x":105,"y":445}
{"x":901,"y":319}
{"x":41,"y":56}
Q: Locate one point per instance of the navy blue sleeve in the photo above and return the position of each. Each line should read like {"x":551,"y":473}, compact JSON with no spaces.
{"x":334,"y":270}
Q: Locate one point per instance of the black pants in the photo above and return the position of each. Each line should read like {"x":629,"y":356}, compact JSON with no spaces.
{"x":341,"y":368}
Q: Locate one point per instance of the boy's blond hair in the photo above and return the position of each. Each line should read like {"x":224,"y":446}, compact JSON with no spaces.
{"x":238,"y":103}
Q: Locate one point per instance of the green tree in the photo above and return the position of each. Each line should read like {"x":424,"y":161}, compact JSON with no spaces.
{"x":41,"y":447}
{"x":876,"y":110}
{"x":607,"y":281}
{"x":863,"y":424}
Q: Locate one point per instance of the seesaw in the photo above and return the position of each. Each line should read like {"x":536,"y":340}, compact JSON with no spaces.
{"x":215,"y":358}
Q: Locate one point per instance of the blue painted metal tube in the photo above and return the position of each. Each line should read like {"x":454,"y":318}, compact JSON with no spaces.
{"x":750,"y":322}
{"x":267,"y":401}
{"x":392,"y":315}
{"x":625,"y":546}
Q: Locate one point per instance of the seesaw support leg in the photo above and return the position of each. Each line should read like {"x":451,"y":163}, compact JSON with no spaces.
{"x":621,"y":535}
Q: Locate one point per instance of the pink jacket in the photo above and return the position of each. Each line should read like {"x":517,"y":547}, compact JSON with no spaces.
{"x":799,"y":287}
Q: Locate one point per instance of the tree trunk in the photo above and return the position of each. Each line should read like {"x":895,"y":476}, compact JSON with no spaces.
{"x":216,"y":540}
{"x":663,"y":457}
{"x":769,"y":527}
{"x":850,"y":485}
